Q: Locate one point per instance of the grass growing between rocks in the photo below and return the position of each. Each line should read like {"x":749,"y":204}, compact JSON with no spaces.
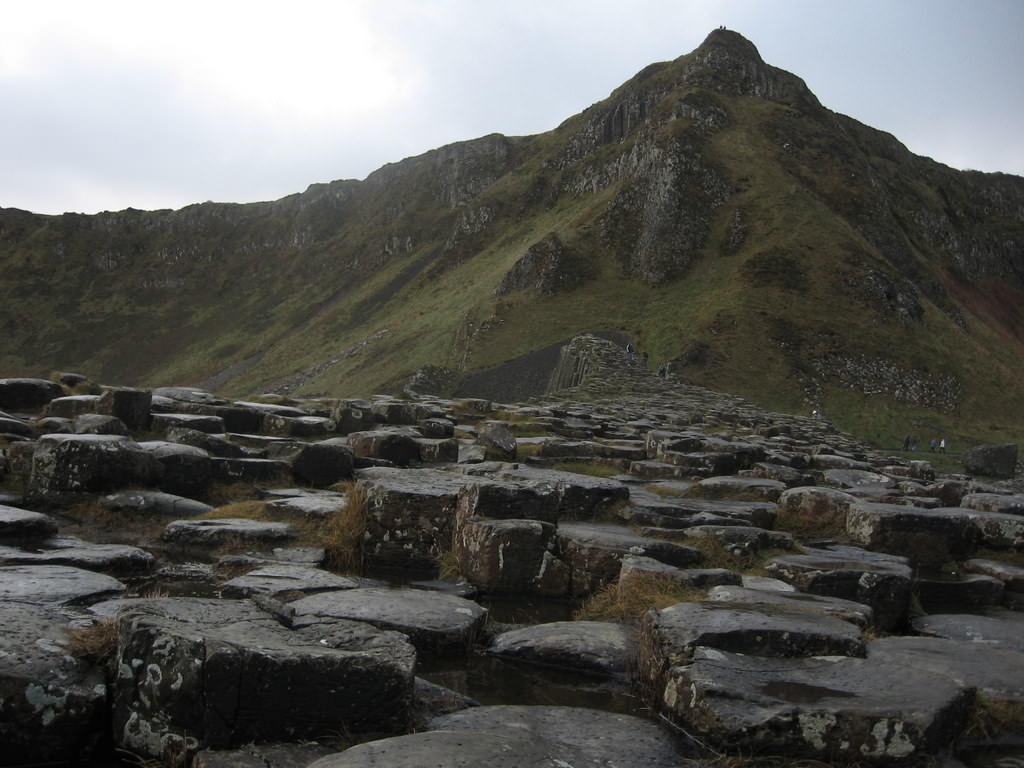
{"x":591,"y":468}
{"x":990,"y":719}
{"x":666,"y":491}
{"x":641,"y":593}
{"x":823,"y":522}
{"x":250,"y":510}
{"x":342,"y":534}
{"x":95,"y":643}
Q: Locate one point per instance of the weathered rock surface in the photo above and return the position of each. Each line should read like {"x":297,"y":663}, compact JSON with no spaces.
{"x":595,"y":647}
{"x":262,"y":756}
{"x":925,"y":536}
{"x":55,"y":585}
{"x":76,"y":464}
{"x":991,"y":460}
{"x":154,"y":503}
{"x":120,"y":559}
{"x":218,"y":532}
{"x":996,"y":629}
{"x":437,"y":624}
{"x":23,"y":526}
{"x":52,"y":705}
{"x":196,"y":673}
{"x":278,"y":580}
{"x":847,"y":610}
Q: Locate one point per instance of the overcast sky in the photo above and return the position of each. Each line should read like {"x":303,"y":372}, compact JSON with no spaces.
{"x":153,"y":104}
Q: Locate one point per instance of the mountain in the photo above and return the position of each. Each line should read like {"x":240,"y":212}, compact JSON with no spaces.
{"x":710,"y":209}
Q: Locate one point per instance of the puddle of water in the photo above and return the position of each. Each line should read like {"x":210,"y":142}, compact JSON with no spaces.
{"x":802,"y":693}
{"x":491,"y":680}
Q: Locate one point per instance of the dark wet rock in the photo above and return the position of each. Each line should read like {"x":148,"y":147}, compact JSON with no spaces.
{"x":994,"y":502}
{"x":582,"y":497}
{"x":507,"y":500}
{"x":847,"y":610}
{"x":835,"y":709}
{"x":52,"y":705}
{"x":262,"y":756}
{"x":188,"y":395}
{"x":510,"y":557}
{"x":925,"y":536}
{"x":184,"y":470}
{"x":991,"y":460}
{"x":459,"y":588}
{"x":217,"y":532}
{"x":28,"y":394}
{"x":131,"y":406}
{"x":670,"y":636}
{"x":1011,"y":575}
{"x":998,"y":674}
{"x":154,"y":503}
{"x":742,"y":538}
{"x":297,"y":426}
{"x":595,"y":647}
{"x":882,"y":583}
{"x":196,"y":673}
{"x":324,"y":463}
{"x":827,"y":461}
{"x":21,"y":526}
{"x":99,"y":424}
{"x":410,"y":515}
{"x":312,"y":506}
{"x":353,"y":416}
{"x":51,"y":425}
{"x":635,"y":567}
{"x":996,"y":629}
{"x":498,"y":441}
{"x":949,"y":595}
{"x":675,"y":512}
{"x":14,"y":428}
{"x":55,"y":585}
{"x":72,"y":406}
{"x":853,"y":479}
{"x":311,"y":557}
{"x":439,"y":451}
{"x":766,"y":584}
{"x":213,"y":444}
{"x":740,"y":487}
{"x":996,"y":530}
{"x":80,"y":464}
{"x":163,"y":422}
{"x":570,"y":735}
{"x":276,"y":580}
{"x":432,"y":700}
{"x":397,"y":445}
{"x":119,"y":559}
{"x":252,"y":471}
{"x":594,"y":553}
{"x":436,"y":623}
{"x":817,"y":506}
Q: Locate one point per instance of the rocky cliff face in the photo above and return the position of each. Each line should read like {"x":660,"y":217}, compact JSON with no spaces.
{"x":710,"y":208}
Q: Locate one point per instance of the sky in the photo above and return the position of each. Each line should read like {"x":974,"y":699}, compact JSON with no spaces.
{"x":110,"y":104}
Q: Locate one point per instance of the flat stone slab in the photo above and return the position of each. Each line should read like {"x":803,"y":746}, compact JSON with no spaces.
{"x":217,"y":532}
{"x":847,"y":610}
{"x":574,"y":735}
{"x":687,"y":512}
{"x":997,"y":629}
{"x":437,"y":624}
{"x":733,"y":486}
{"x":21,"y":525}
{"x":309,"y":505}
{"x":155,"y":503}
{"x":56,"y":585}
{"x":276,"y":580}
{"x":634,"y":566}
{"x":834,"y":709}
{"x":671,"y":635}
{"x":1011,"y":575}
{"x":857,"y":478}
{"x":596,"y":647}
{"x":997,"y":673}
{"x":120,"y":559}
{"x":925,"y":536}
{"x":1011,"y":504}
{"x":219,"y":674}
{"x":51,"y":704}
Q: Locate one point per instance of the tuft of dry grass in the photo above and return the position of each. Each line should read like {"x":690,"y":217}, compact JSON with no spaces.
{"x":449,"y":566}
{"x":342,"y":534}
{"x":593,"y":468}
{"x":251,"y":510}
{"x":96,"y":643}
{"x":822,"y":522}
{"x":641,"y":593}
{"x":230,"y":493}
{"x":666,"y":491}
{"x":990,"y":719}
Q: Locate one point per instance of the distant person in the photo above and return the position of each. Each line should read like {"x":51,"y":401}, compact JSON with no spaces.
{"x":932,"y":445}
{"x":942,"y":445}
{"x":629,"y":352}
{"x":906,"y":443}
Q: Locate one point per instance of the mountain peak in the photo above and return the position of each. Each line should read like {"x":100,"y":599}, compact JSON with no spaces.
{"x":724,"y":43}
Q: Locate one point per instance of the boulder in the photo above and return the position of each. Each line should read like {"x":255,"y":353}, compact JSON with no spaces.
{"x":196,"y":673}
{"x":1007,"y":504}
{"x":85,"y":464}
{"x":213,"y":444}
{"x":52,"y":705}
{"x":28,"y":394}
{"x":99,"y":424}
{"x":741,"y":487}
{"x":161,"y":422}
{"x":1011,"y":575}
{"x":154,"y":503}
{"x":324,"y":463}
{"x":635,"y":567}
{"x":437,"y":624}
{"x":498,"y":441}
{"x":995,"y":530}
{"x":120,"y":559}
{"x":278,"y":580}
{"x":937,"y":594}
{"x":581,"y":497}
{"x":741,"y":539}
{"x":507,"y":500}
{"x":251,"y":471}
{"x":131,"y":406}
{"x":353,"y":416}
{"x":396,"y":445}
{"x":991,"y":460}
{"x":297,"y":426}
{"x":847,"y":610}
{"x":815,"y":508}
{"x":72,"y":406}
{"x":996,"y":629}
{"x":184,"y":470}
